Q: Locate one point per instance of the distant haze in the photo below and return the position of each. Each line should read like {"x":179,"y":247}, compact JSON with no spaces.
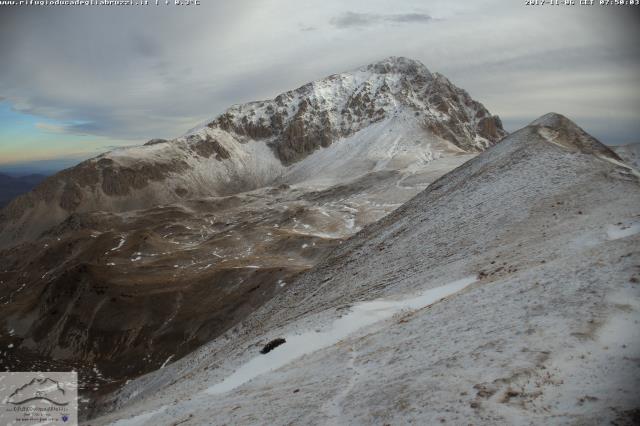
{"x":43,"y":167}
{"x":76,"y":81}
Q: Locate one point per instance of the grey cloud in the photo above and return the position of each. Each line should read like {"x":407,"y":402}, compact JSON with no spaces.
{"x":354,"y":20}
{"x":105,"y":148}
{"x":408,"y":17}
{"x":86,"y":128}
{"x":145,"y":45}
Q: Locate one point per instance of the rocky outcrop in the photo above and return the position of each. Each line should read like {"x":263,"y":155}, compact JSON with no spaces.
{"x":156,"y":141}
{"x":208,"y":147}
{"x":120,"y":181}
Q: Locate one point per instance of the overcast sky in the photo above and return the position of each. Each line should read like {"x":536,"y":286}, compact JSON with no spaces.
{"x":77,"y":80}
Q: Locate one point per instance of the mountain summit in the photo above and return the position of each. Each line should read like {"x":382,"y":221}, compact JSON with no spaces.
{"x":300,"y":121}
{"x":269,"y":142}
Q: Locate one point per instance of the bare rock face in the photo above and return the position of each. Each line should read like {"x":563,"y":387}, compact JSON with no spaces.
{"x":490,"y":127}
{"x":156,"y":141}
{"x":208,"y":147}
{"x":120,"y":181}
{"x":466,"y":122}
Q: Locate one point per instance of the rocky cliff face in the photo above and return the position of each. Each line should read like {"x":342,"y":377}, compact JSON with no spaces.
{"x":253,"y":145}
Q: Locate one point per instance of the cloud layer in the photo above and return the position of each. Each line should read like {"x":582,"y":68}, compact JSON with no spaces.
{"x":140,"y":73}
{"x":353,"y":19}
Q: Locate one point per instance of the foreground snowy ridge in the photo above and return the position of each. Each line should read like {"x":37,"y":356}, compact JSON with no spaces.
{"x":547,"y":335}
{"x":359,"y":316}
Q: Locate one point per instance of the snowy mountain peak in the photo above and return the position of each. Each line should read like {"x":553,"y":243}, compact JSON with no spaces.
{"x":397,"y":64}
{"x":554,"y":120}
{"x":300,"y":121}
{"x":559,"y":130}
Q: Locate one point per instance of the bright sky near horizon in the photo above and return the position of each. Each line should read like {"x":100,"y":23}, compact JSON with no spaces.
{"x":76,"y":81}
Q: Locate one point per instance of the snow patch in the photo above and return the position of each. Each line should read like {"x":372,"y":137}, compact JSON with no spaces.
{"x":164,"y":364}
{"x":139,"y":419}
{"x":120,"y":244}
{"x":361,"y":315}
{"x":615,"y":232}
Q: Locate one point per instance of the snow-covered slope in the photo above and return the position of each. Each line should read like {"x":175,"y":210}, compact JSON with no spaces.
{"x":505,"y":293}
{"x":397,"y":143}
{"x":258,"y":144}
